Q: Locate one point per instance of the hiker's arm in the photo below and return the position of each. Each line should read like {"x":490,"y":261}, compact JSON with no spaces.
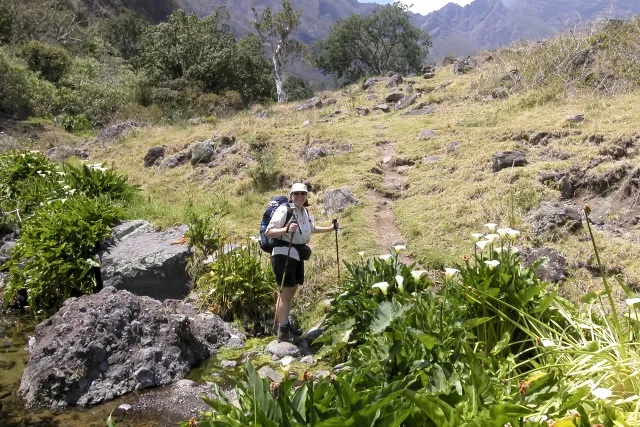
{"x":318,"y":229}
{"x":277,"y":232}
{"x":276,"y":227}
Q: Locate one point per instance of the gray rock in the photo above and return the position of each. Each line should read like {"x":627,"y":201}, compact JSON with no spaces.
{"x":405,"y":102}
{"x":394,"y":97}
{"x":7,"y":248}
{"x":428,"y":76}
{"x":382,"y":107}
{"x":566,"y":187}
{"x":444,"y":84}
{"x":185,"y":383}
{"x":426,"y":134}
{"x":507,"y":159}
{"x":310,"y":104}
{"x":362,"y":111}
{"x":268,"y":372}
{"x":307,"y":359}
{"x":424,"y":111}
{"x":464,"y":65}
{"x":145,"y":262}
{"x":321,"y":374}
{"x":452,"y":147}
{"x":548,"y":217}
{"x":306,"y":123}
{"x":228,"y":364}
{"x":574,"y":118}
{"x":202,"y":152}
{"x":554,"y":266}
{"x":64,"y":152}
{"x":310,"y":154}
{"x":101,"y":346}
{"x":500,"y":93}
{"x":282,"y":349}
{"x":431,"y":159}
{"x":369,"y":83}
{"x":329,"y":101}
{"x":118,"y":131}
{"x":335,"y":201}
{"x":177,"y":160}
{"x":395,"y":80}
{"x":153,"y":156}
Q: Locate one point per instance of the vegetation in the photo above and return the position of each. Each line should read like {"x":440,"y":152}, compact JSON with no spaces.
{"x":382,"y":41}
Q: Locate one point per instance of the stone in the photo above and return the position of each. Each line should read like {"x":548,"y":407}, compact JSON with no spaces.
{"x":428,"y":76}
{"x":428,"y":69}
{"x":177,"y":160}
{"x":310,"y":154}
{"x":153,"y":156}
{"x":574,"y":118}
{"x":269,"y":372}
{"x":431,"y":159}
{"x":444,"y":84}
{"x":382,"y":107}
{"x":369,"y":83}
{"x":426,"y":134}
{"x":500,"y":93}
{"x":566,"y":187}
{"x":7,"y":248}
{"x":117,"y":131}
{"x":185,"y":383}
{"x":452,"y":147}
{"x":362,"y":111}
{"x":64,"y":152}
{"x":405,"y":102}
{"x":424,"y":111}
{"x":321,"y":374}
{"x":306,"y":123}
{"x":310,"y":104}
{"x":394,"y":80}
{"x":507,"y":159}
{"x":202,"y":152}
{"x":549,"y":217}
{"x":464,"y":65}
{"x":92,"y":350}
{"x":307,"y":359}
{"x":228,"y":364}
{"x":146,"y":262}
{"x":283,"y":349}
{"x":553,"y":268}
{"x":329,"y":101}
{"x":394,"y":97}
{"x":335,"y":201}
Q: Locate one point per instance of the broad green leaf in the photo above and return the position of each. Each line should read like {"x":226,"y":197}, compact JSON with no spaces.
{"x":508,"y":412}
{"x":298,"y":404}
{"x":427,"y":340}
{"x":110,"y":422}
{"x":589,"y":297}
{"x":472,"y":323}
{"x":440,"y":413}
{"x":387,"y":311}
{"x":502,"y":344}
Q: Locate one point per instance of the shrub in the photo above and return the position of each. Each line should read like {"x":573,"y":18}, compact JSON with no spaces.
{"x":78,"y":123}
{"x":96,"y":181}
{"x":51,"y":62}
{"x":266,"y":173}
{"x":296,"y":89}
{"x":232,"y":100}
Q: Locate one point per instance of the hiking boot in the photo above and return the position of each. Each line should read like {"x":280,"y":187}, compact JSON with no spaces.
{"x":296,"y":332}
{"x":285,"y":334}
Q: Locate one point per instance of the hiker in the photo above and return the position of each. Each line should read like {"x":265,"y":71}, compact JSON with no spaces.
{"x":299,"y":228}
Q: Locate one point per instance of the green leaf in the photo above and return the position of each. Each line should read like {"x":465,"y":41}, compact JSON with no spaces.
{"x":472,"y":323}
{"x":507,"y":412}
{"x":427,"y":340}
{"x":298,"y":404}
{"x":387,"y":311}
{"x":110,"y":422}
{"x":589,"y":297}
{"x":440,"y":413}
{"x":502,"y":344}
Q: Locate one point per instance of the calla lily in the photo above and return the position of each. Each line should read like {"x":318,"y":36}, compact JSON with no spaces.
{"x":547,"y":342}
{"x":492,"y":237}
{"x":502,"y":232}
{"x":383,"y":286}
{"x":492,"y":263}
{"x":361,"y":254}
{"x":385,"y":257}
{"x":286,"y":361}
{"x":498,"y":250}
{"x":450,"y":272}
{"x":482,"y":243}
{"x":417,"y":274}
{"x":632,"y":301}
{"x":66,"y":187}
{"x":70,"y":192}
{"x":491,"y":226}
{"x":514,"y":250}
{"x":602,"y":393}
{"x":476,"y":236}
{"x":399,"y":248}
{"x":400,"y":282}
{"x":513,"y":234}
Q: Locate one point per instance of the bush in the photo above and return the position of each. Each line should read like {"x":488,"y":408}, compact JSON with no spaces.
{"x":296,"y":89}
{"x":96,"y":181}
{"x":265,"y":176}
{"x":51,"y":62}
{"x":70,"y":123}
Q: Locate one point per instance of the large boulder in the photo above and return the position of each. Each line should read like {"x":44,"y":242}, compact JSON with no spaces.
{"x":394,"y":97}
{"x":405,"y":102}
{"x":553,"y":267}
{"x":549,"y":216}
{"x":202,"y":152}
{"x":146,"y":262}
{"x":64,"y":152}
{"x":507,"y":159}
{"x":154,"y":156}
{"x":335,"y":201}
{"x":464,"y":65}
{"x":101,"y":346}
{"x":310,"y":104}
{"x":369,"y":83}
{"x":394,"y":80}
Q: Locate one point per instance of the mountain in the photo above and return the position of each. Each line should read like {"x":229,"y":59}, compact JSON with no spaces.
{"x":484,"y":24}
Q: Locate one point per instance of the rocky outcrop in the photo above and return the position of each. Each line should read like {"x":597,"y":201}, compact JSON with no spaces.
{"x":394,"y":80}
{"x":464,"y":65}
{"x":101,"y":346}
{"x":426,"y":134}
{"x":335,"y":201}
{"x":369,"y":83}
{"x":548,"y":217}
{"x":394,"y":97}
{"x":553,"y":267}
{"x":154,"y":156}
{"x":507,"y":159}
{"x":117,"y":131}
{"x":405,"y":102}
{"x":146,"y":262}
{"x":310,"y":104}
{"x":64,"y":152}
{"x":177,"y":160}
{"x":202,"y":152}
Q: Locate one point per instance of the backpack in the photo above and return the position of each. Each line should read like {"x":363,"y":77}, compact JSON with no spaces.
{"x":267,"y":243}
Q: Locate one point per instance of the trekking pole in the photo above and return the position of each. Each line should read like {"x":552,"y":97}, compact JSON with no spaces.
{"x":284,"y":273}
{"x":335,"y":228}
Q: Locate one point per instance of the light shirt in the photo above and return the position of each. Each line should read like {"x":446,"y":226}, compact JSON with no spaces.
{"x":300,"y":237}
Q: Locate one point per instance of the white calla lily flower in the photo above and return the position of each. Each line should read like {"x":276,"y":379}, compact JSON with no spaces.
{"x":502,"y":232}
{"x":546,"y":342}
{"x":602,"y":393}
{"x":286,"y":361}
{"x":513,"y":234}
{"x":417,"y":274}
{"x":383,"y":286}
{"x":400,"y":282}
{"x":491,"y":226}
{"x":632,"y":301}
{"x":492,"y":263}
{"x":361,"y":254}
{"x":482,"y":244}
{"x":450,"y":272}
{"x":492,"y":237}
{"x":476,"y":236}
{"x":399,"y":248}
{"x":385,"y":257}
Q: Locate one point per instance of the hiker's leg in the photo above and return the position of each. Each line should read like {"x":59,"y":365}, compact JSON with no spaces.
{"x":286,"y":297}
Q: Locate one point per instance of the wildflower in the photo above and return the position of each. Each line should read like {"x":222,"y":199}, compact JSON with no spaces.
{"x":476,"y":236}
{"x":286,"y":361}
{"x":385,"y":257}
{"x":492,"y":237}
{"x":482,"y":243}
{"x":66,"y":187}
{"x":70,"y":192}
{"x":547,"y":342}
{"x":491,"y":226}
{"x":632,"y":301}
{"x":602,"y":393}
{"x":63,"y":200}
{"x":502,"y":232}
{"x":400,"y":282}
{"x":498,"y":250}
{"x":450,"y":272}
{"x":383,"y":286}
{"x":513,"y":234}
{"x":399,"y":248}
{"x":361,"y":254}
{"x":417,"y":274}
{"x":492,"y":264}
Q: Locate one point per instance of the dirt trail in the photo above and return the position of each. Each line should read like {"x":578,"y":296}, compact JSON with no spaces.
{"x":393,"y":188}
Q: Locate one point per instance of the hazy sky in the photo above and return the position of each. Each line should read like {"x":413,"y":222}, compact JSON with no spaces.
{"x":423,"y":6}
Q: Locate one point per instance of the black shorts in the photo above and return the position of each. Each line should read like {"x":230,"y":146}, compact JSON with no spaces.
{"x":295,"y":271}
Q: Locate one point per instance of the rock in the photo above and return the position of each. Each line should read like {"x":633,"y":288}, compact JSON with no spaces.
{"x":202,"y":152}
{"x":428,"y":76}
{"x":282,"y":349}
{"x":405,"y":102}
{"x":101,"y":346}
{"x":307,"y":359}
{"x":426,"y":134}
{"x":500,"y":93}
{"x":431,"y":159}
{"x":321,"y":374}
{"x":566,"y":187}
{"x":185,"y":383}
{"x":574,"y":118}
{"x":146,"y":262}
{"x":153,"y":156}
{"x":382,"y":107}
{"x":507,"y":159}
{"x":395,"y":80}
{"x":369,"y":83}
{"x":394,"y":97}
{"x":335,"y":201}
{"x":126,"y":407}
{"x":228,"y":364}
{"x":428,"y":69}
{"x":196,"y":121}
{"x":268,"y":372}
{"x":424,"y":111}
{"x":118,"y":131}
{"x":177,"y":160}
{"x":329,"y":101}
{"x":64,"y":152}
{"x":464,"y":65}
{"x":554,"y":266}
{"x":313,"y":334}
{"x":452,"y":147}
{"x":548,"y":217}
{"x":310,"y":104}
{"x":362,"y":111}
{"x":310,"y":154}
{"x":306,"y":123}
{"x":444,"y":84}
{"x":7,"y":248}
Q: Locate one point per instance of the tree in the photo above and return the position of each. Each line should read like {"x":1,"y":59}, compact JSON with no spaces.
{"x":124,"y":33}
{"x":382,"y":41}
{"x":275,"y":30}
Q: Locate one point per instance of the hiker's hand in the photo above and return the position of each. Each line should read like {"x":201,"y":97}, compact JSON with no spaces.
{"x":293,"y":227}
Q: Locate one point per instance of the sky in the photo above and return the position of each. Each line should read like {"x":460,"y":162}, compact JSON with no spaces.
{"x":423,"y":6}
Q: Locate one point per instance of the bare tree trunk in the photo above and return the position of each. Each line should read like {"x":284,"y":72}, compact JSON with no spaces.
{"x":277,"y":71}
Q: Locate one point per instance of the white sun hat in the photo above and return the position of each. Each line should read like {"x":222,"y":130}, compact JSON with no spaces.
{"x":298,"y":187}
